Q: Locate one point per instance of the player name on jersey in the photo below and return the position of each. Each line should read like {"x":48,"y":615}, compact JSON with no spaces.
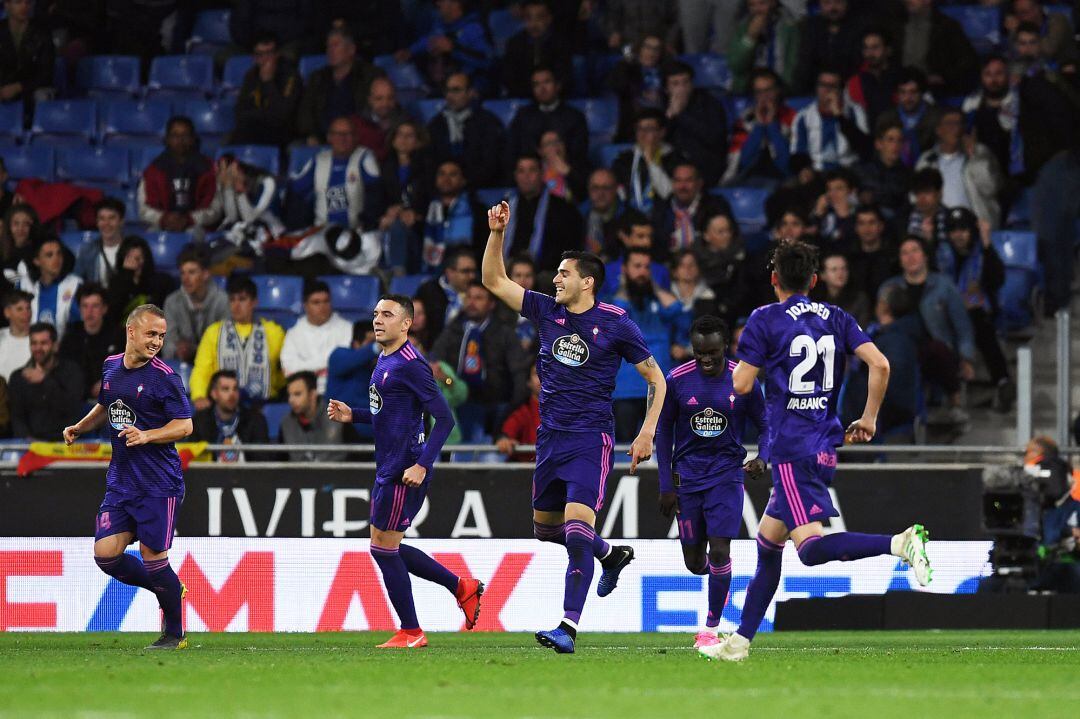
{"x":819,"y":403}
{"x":801,"y":308}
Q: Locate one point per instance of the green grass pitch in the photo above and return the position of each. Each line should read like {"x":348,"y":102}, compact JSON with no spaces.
{"x":822,"y":674}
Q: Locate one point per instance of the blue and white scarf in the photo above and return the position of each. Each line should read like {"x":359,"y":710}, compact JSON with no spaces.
{"x":536,"y":240}
{"x":249,"y":358}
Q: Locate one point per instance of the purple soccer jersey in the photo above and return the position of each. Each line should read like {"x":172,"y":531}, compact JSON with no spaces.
{"x":803,"y":347}
{"x":579,"y":357}
{"x":147,"y":397}
{"x":699,"y":435}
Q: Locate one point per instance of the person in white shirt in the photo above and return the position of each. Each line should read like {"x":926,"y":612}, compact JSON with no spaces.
{"x":15,"y":338}
{"x":319,"y":332}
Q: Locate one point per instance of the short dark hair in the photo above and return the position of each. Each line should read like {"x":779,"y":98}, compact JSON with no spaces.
{"x":631,"y":251}
{"x":455,"y":253}
{"x":241,"y":285}
{"x":885,"y":35}
{"x":38,"y":327}
{"x":532,"y":156}
{"x":306,"y":376}
{"x":544,"y":68}
{"x":993,"y":57}
{"x":111,"y":203}
{"x":710,"y":325}
{"x":896,"y":299}
{"x":14,"y":297}
{"x":870,"y":209}
{"x":193,"y":252}
{"x":312,"y":287}
{"x":180,"y":120}
{"x":219,"y":375}
{"x":842,"y":174}
{"x":766,"y":72}
{"x":1028,"y":27}
{"x":265,"y":37}
{"x":686,"y":163}
{"x":918,"y":241}
{"x":911,"y":74}
{"x":677,"y":67}
{"x":481,"y":285}
{"x":588,"y":265}
{"x":630,"y":219}
{"x":87,"y":289}
{"x":650,"y":113}
{"x":404,"y":300}
{"x":795,"y":264}
{"x":520,"y":260}
{"x":928,"y":178}
{"x":361,"y":328}
{"x":884,"y":124}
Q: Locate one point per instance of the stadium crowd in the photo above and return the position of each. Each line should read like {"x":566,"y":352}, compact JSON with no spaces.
{"x":930,"y":150}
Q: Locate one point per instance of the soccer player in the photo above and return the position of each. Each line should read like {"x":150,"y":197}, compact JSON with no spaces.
{"x":803,"y":347}
{"x":582,"y":343}
{"x":145,"y":409}
{"x":402,"y":389}
{"x":700,"y":455}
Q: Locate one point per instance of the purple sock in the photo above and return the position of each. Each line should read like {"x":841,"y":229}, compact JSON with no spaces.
{"x":425,"y":567}
{"x":762,"y":587}
{"x":166,"y":585}
{"x":396,"y":578}
{"x":125,"y":568}
{"x":557,"y":533}
{"x":719,"y":584}
{"x":844,"y":546}
{"x":579,"y":570}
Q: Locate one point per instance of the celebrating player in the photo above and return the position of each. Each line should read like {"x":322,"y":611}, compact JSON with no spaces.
{"x":803,"y":347}
{"x":403,"y":388}
{"x":146,"y":409}
{"x":702,"y":481}
{"x":582,"y":343}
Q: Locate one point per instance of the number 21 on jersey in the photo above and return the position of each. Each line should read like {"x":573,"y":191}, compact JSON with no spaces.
{"x":805,"y":347}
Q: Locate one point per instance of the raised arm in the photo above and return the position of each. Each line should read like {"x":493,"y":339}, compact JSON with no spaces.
{"x":863,"y":429}
{"x":642,"y":446}
{"x":493,"y":269}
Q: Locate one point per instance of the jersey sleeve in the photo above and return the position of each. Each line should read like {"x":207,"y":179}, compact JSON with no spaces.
{"x":431,"y":399}
{"x":755,"y":410}
{"x":536,"y":305}
{"x":175,"y":398}
{"x":104,"y":392}
{"x":632,"y":345}
{"x":752,"y":346}
{"x":665,"y":438}
{"x":854,"y":336}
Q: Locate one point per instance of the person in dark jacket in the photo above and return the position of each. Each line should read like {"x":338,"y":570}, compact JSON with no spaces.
{"x":457,"y":41}
{"x":874,"y":85}
{"x":830,"y":40}
{"x":90,"y":340}
{"x":444,"y":296}
{"x":547,"y":112}
{"x":269,"y":97}
{"x":137,"y":280}
{"x":697,"y":123}
{"x":407,"y":175}
{"x":287,"y":20}
{"x":468,"y":134}
{"x":885,"y":179}
{"x":680,"y":220}
{"x":872,"y":260}
{"x":534,"y":46}
{"x":27,"y":58}
{"x":46,"y":394}
{"x":226,"y":422}
{"x":542,"y":225}
{"x":638,"y":81}
{"x":722,"y":257}
{"x":378,"y":26}
{"x":933,"y":42}
{"x":338,"y":90}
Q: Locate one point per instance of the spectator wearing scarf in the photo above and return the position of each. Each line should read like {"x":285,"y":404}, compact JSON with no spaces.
{"x":644,"y":171}
{"x":541,"y":225}
{"x":468,"y":134}
{"x":453,"y":218}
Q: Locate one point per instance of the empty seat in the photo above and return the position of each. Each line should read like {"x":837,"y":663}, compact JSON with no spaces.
{"x":74,"y":239}
{"x":181,"y":77}
{"x":134,"y":118}
{"x":11,"y":120}
{"x":503,"y":25}
{"x":601,"y":115}
{"x":353,"y":292}
{"x":492,"y":196}
{"x":982,"y":25}
{"x":311,"y":63}
{"x":407,"y":284}
{"x":37,"y":161}
{"x":404,"y":75}
{"x":211,"y":118}
{"x":505,"y":109}
{"x":605,"y":154}
{"x":232,"y":77}
{"x":274,"y":412}
{"x":106,"y":76}
{"x":65,"y":122}
{"x":798,"y":103}
{"x":210,"y":33}
{"x":1017,"y":248}
{"x":709,"y":70}
{"x":285,"y":318}
{"x":97,"y":164}
{"x":166,"y":247}
{"x":141,"y":159}
{"x":279,"y":292}
{"x":428,"y":109}
{"x":748,"y":205}
{"x":299,"y":156}
{"x":265,"y":157}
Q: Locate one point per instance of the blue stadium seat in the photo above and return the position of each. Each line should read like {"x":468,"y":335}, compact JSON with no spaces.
{"x":285,"y":318}
{"x":491,"y":196}
{"x":311,"y":63}
{"x":748,"y":204}
{"x":211,"y":32}
{"x":232,"y":77}
{"x":354,"y":316}
{"x":404,"y":75}
{"x":605,"y":154}
{"x":110,"y":76}
{"x":407,"y":284}
{"x":265,"y":157}
{"x":65,"y":122}
{"x":75,"y":239}
{"x":280,"y":292}
{"x":601,"y":115}
{"x":299,"y":156}
{"x":166,"y":247}
{"x":274,"y":412}
{"x":1017,"y":249}
{"x":133,"y":118}
{"x":142,"y":157}
{"x":503,"y":26}
{"x":181,"y":77}
{"x":505,"y":109}
{"x":982,"y":25}
{"x":11,"y":121}
{"x":428,"y":109}
{"x":99,"y":164}
{"x":798,"y":103}
{"x":29,"y":161}
{"x":212,"y":118}
{"x":709,"y":70}
{"x":1020,"y":212}
{"x":735,"y":105}
{"x":1015,"y":299}
{"x":353,"y":292}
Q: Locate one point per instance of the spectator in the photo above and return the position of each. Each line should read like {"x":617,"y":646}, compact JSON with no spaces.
{"x":970,"y":174}
{"x":760,"y":149}
{"x":319,"y":332}
{"x":1056,"y":197}
{"x":722,"y":257}
{"x":377,"y":26}
{"x":1059,"y":490}
{"x":547,"y":112}
{"x":15,"y":338}
{"x":251,"y":21}
{"x":535,"y":45}
{"x":453,"y":217}
{"x":708,"y":25}
{"x":836,"y":288}
{"x":884,"y":180}
{"x":21,"y":235}
{"x":46,"y":394}
{"x":349,"y":368}
{"x":873,"y":258}
{"x":627,"y":22}
{"x":373,"y":124}
{"x":137,"y":280}
{"x":249,"y":200}
{"x":89,"y":341}
{"x":97,"y":260}
{"x":420,"y":333}
{"x":226,"y":422}
{"x":338,"y":90}
{"x":457,"y":42}
{"x":971,"y":262}
{"x":680,"y":219}
{"x":1049,"y":104}
{"x":178,"y":190}
{"x":53,"y":286}
{"x":834,"y":212}
{"x":520,"y":427}
{"x":644,"y":171}
{"x":873,"y":86}
{"x":653,"y":309}
{"x":602,"y":212}
{"x":638,"y":81}
{"x":635,"y":232}
{"x":562,"y":179}
{"x":697,"y":123}
{"x":192,"y":308}
{"x":830,"y":41}
{"x":832,"y":130}
{"x":444,"y":296}
{"x":27,"y":57}
{"x":342,"y":183}
{"x":927,"y":217}
{"x":1056,"y":40}
{"x":766,"y":38}
{"x":467,"y":133}
{"x":6,"y":197}
{"x":307,"y":423}
{"x":992,"y":112}
{"x":791,"y":226}
{"x":522,"y":271}
{"x":487,"y":356}
{"x":244,"y":343}
{"x":695,"y":298}
{"x":407,"y":176}
{"x":917,"y":117}
{"x":269,"y":97}
{"x":542,"y":225}
{"x":933,"y":42}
